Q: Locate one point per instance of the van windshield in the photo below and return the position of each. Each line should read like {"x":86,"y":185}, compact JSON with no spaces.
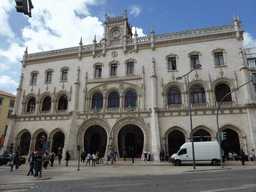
{"x":182,"y":151}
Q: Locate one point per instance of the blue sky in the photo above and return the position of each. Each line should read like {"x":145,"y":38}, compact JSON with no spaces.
{"x":57,"y":24}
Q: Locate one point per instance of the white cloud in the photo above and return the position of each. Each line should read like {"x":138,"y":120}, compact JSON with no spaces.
{"x":3,"y":67}
{"x":6,"y":81}
{"x":135,"y":10}
{"x":249,"y":41}
{"x":5,"y":7}
{"x":139,"y":32}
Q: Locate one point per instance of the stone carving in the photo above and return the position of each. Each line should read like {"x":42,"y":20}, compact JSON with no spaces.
{"x":114,"y":54}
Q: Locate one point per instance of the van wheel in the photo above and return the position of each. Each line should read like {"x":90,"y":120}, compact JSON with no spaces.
{"x":215,"y":162}
{"x":178,"y":163}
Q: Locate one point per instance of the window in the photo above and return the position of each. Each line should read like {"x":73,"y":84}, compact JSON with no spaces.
{"x":63,"y":103}
{"x":113,"y":70}
{"x":98,"y":70}
{"x":198,"y":94}
{"x":97,"y":100}
{"x":218,"y":57}
{"x":11,"y":103}
{"x":220,"y":91}
{"x":172,"y":63}
{"x":49,"y":77}
{"x":46,"y":104}
{"x":34,"y":78}
{"x":174,"y":96}
{"x":5,"y":131}
{"x":130,"y":99}
{"x":252,"y":64}
{"x":31,"y":105}
{"x":113,"y":100}
{"x":1,"y":100}
{"x":130,"y":67}
{"x":64,"y":75}
{"x":9,"y":113}
{"x":254,"y":74}
{"x":194,"y":60}
{"x":183,"y":152}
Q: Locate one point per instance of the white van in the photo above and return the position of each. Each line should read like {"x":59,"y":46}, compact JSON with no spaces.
{"x":205,"y":152}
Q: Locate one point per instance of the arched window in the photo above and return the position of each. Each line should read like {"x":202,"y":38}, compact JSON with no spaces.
{"x":198,"y":94}
{"x":63,"y":102}
{"x":46,"y":104}
{"x":220,"y":91}
{"x":113,"y":100}
{"x":97,"y":100}
{"x":174,"y":96}
{"x":31,"y":105}
{"x":130,"y":99}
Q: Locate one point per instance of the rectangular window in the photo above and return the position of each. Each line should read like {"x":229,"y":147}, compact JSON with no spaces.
{"x":218,"y":57}
{"x":172,"y":63}
{"x":65,"y":75}
{"x":194,"y":60}
{"x":49,"y":77}
{"x":254,"y":74}
{"x":113,"y":70}
{"x":1,"y":101}
{"x":5,"y":131}
{"x":9,"y":113}
{"x":34,"y":78}
{"x":130,"y":68}
{"x":251,"y":64}
{"x":98,"y":71}
{"x":11,"y":103}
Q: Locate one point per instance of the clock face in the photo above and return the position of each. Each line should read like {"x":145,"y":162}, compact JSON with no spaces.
{"x":115,"y":33}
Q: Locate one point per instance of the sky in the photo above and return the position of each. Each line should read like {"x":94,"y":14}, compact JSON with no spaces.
{"x":57,"y":24}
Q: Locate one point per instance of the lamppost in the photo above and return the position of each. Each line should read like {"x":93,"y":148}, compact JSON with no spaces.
{"x":197,"y":66}
{"x":253,"y":80}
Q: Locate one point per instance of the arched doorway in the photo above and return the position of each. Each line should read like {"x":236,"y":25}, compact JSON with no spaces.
{"x":201,"y":135}
{"x":25,"y":143}
{"x":231,"y":143}
{"x":95,"y":140}
{"x":58,"y":142}
{"x":130,"y":139}
{"x":39,"y":145}
{"x":175,"y":139}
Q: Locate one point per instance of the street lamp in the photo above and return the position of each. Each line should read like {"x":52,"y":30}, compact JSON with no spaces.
{"x":197,"y":66}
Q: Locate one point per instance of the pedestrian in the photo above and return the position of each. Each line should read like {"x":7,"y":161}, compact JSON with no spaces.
{"x":83,"y":155}
{"x":93,"y":159}
{"x":52,"y":158}
{"x":230,"y":156}
{"x":38,"y":164}
{"x":125,"y":155}
{"x":253,"y":155}
{"x":133,"y":155}
{"x":145,"y":155}
{"x":31,"y":159}
{"x":67,"y":158}
{"x":112,"y":154}
{"x":242,"y":155}
{"x":149,"y":155}
{"x":59,"y":157}
{"x":12,"y":160}
{"x":160,"y":155}
{"x":46,"y":160}
{"x":163,"y":157}
{"x":17,"y":159}
{"x":88,"y":159}
{"x":115,"y":156}
{"x":97,"y":158}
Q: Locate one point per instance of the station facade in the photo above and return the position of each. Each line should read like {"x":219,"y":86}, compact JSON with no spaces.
{"x":122,"y":93}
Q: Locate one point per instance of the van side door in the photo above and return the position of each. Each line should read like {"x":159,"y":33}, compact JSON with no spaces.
{"x":183,"y":155}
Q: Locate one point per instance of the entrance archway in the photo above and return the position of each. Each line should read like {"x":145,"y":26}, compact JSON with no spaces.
{"x":95,"y":140}
{"x":130,"y":139}
{"x":58,"y":142}
{"x":25,"y":143}
{"x":201,"y":135}
{"x":175,"y":140}
{"x":39,"y":146}
{"x":231,"y":143}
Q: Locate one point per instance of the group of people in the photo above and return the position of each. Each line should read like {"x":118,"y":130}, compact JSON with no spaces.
{"x":96,"y":158}
{"x":147,"y":155}
{"x":233,"y":156}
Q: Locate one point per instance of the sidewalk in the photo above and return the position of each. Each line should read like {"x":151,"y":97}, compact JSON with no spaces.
{"x":120,"y":169}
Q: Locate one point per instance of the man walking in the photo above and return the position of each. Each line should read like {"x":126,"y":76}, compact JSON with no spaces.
{"x":52,"y":158}
{"x":242,"y":155}
{"x":59,"y":157}
{"x":32,"y":163}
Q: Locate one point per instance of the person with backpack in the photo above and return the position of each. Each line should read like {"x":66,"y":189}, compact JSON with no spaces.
{"x":112,"y":154}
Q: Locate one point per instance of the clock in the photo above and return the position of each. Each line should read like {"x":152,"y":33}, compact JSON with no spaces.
{"x":116,"y":33}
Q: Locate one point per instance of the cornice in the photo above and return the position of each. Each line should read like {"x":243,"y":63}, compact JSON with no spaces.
{"x":114,"y":79}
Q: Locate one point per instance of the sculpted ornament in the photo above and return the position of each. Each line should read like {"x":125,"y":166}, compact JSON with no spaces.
{"x":114,"y":54}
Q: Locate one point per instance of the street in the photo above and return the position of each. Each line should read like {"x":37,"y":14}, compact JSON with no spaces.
{"x":161,"y":177}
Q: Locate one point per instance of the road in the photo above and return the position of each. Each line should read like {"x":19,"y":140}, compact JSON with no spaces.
{"x":227,"y":180}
